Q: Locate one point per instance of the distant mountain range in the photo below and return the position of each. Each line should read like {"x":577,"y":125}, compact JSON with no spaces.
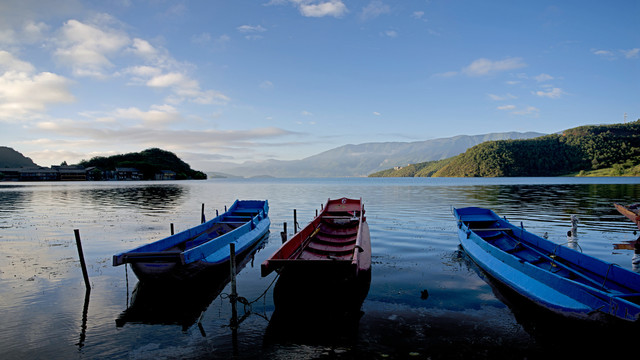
{"x":364,"y":159}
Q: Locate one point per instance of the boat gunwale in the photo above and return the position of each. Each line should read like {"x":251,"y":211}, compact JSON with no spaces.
{"x":195,"y":253}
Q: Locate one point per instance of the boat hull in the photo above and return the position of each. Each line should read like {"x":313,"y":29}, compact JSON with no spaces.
{"x":204,"y":247}
{"x":556,"y":277}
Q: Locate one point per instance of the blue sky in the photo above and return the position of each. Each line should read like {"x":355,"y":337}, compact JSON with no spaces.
{"x":242,"y":80}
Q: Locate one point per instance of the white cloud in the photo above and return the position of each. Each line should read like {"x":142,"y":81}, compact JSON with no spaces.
{"x":374,"y":9}
{"x":631,"y":54}
{"x":543,"y":77}
{"x":266,"y":84}
{"x":143,"y":49}
{"x":529,"y":110}
{"x":169,"y":79}
{"x":86,"y":48}
{"x":251,"y":28}
{"x":391,"y":33}
{"x":25,"y":93}
{"x":315,"y":8}
{"x":552,"y":93}
{"x":157,"y":115}
{"x":253,"y":32}
{"x":335,"y":8}
{"x":10,"y":63}
{"x":482,"y":67}
{"x":515,"y":110}
{"x":502,"y":97}
{"x":417,"y":14}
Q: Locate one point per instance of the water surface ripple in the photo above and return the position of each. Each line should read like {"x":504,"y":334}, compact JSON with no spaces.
{"x":427,"y":299}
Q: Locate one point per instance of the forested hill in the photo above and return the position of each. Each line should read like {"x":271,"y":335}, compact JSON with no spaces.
{"x":149,"y":162}
{"x":9,"y":158}
{"x":604,"y":150}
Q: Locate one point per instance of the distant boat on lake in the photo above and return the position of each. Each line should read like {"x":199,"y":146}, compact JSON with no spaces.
{"x":556,"y":277}
{"x":184,"y":255}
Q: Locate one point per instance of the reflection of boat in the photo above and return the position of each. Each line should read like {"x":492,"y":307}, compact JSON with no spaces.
{"x":327,"y":262}
{"x":183,"y":255}
{"x":557,"y":334}
{"x":632,"y":212}
{"x":559,"y":278}
{"x":311,"y":326}
{"x":181,"y":303}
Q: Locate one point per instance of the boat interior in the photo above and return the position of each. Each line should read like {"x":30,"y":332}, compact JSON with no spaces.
{"x":504,"y":239}
{"x":334,"y":238}
{"x":227,"y":223}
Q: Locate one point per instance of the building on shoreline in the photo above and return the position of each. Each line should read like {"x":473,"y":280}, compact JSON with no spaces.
{"x":78,"y":173}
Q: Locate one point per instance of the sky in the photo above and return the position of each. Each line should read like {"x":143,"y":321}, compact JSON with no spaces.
{"x":240,"y":80}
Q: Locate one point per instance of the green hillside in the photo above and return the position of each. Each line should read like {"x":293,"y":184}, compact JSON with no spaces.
{"x":149,"y":162}
{"x":598,"y":150}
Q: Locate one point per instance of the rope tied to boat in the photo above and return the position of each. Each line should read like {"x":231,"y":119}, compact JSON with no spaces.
{"x":247,"y":305}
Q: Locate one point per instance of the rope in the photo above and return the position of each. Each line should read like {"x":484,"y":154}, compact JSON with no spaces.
{"x":246,"y":303}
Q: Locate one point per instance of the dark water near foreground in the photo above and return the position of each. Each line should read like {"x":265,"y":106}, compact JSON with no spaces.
{"x":426,"y":299}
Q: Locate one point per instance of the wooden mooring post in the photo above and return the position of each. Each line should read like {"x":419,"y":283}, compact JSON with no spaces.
{"x":82,"y":263}
{"x":283,"y":234}
{"x":171,"y":228}
{"x":202,"y":220}
{"x":295,"y":221}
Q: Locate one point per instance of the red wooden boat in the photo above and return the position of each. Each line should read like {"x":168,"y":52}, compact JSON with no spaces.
{"x":338,"y":238}
{"x":630,"y":211}
{"x":329,"y":258}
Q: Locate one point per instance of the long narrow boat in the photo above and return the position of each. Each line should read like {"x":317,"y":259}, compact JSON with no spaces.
{"x":329,"y":256}
{"x":556,"y":277}
{"x":187,"y":253}
{"x":632,"y":212}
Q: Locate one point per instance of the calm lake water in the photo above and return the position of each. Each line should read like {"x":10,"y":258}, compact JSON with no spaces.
{"x":426,"y":299}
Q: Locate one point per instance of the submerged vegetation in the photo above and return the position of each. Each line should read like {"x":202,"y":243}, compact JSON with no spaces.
{"x":595,"y":150}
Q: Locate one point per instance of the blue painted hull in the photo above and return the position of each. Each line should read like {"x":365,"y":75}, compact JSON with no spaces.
{"x":556,"y":277}
{"x":184,"y":255}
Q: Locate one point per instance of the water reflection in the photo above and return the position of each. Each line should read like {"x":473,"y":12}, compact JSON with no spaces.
{"x":556,"y":334}
{"x":316,"y":308}
{"x":85,"y":311}
{"x":13,"y":203}
{"x":181,"y":303}
{"x":149,"y":197}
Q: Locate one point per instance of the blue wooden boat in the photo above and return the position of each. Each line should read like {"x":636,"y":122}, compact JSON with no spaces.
{"x":556,"y":277}
{"x":184,"y":255}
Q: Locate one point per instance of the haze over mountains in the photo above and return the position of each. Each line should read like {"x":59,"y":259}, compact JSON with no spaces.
{"x":363,"y":159}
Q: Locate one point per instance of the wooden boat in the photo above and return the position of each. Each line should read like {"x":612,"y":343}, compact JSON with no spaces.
{"x":556,"y":277}
{"x":331,"y":256}
{"x":632,"y":212}
{"x":185,"y":254}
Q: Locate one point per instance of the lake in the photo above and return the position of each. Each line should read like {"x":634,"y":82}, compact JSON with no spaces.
{"x":426,"y":299}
